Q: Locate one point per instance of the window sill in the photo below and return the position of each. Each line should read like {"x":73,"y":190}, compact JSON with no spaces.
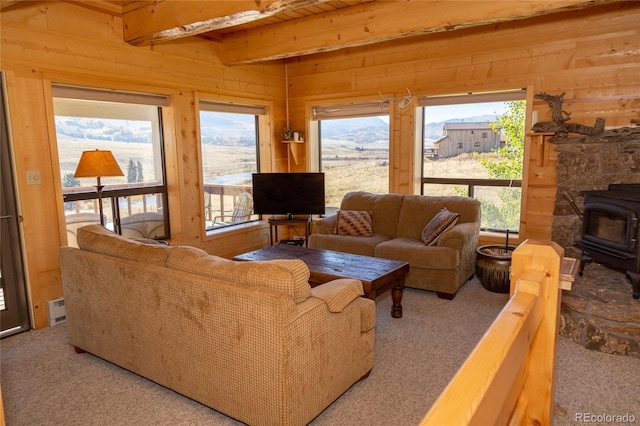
{"x":499,"y":238}
{"x":227,"y":231}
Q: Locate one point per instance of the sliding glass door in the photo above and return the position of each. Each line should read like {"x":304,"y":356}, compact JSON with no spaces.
{"x":13,"y":304}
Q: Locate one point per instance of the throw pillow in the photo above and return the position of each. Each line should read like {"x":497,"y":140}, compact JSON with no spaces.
{"x":441,"y":223}
{"x":353,"y":222}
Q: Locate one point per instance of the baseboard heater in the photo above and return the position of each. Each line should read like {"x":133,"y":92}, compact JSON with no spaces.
{"x":56,"y":312}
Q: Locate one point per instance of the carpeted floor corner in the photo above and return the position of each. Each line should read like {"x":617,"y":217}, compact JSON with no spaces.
{"x":44,"y":382}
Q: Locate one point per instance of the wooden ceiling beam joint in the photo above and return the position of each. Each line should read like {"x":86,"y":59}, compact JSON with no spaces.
{"x":169,"y":20}
{"x":376,"y":22}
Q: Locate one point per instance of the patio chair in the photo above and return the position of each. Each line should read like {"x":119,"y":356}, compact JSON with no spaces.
{"x":143,"y":225}
{"x":240,"y":213}
{"x":78,"y":220}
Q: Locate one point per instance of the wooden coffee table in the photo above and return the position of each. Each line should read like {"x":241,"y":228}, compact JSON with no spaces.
{"x":377,"y":275}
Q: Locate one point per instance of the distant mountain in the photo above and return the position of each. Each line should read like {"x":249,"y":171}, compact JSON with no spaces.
{"x":239,"y":129}
{"x":228,"y":129}
{"x":104,"y":129}
{"x":226,"y":122}
{"x":367,"y":134}
{"x":338,"y":129}
{"x":361,"y":130}
{"x":218,"y":129}
{"x":373,"y":129}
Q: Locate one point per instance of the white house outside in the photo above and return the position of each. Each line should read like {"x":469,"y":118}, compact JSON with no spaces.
{"x":465,"y":137}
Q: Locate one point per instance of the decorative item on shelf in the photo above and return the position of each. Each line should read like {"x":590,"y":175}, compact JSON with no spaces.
{"x":98,"y":164}
{"x":293,"y":138}
{"x":291,"y":135}
{"x":559,"y":124}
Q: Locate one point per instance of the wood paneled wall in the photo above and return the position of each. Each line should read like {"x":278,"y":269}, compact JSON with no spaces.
{"x":45,"y":42}
{"x":592,"y":55}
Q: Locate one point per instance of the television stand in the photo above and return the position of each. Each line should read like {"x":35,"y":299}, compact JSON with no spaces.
{"x":288,"y":222}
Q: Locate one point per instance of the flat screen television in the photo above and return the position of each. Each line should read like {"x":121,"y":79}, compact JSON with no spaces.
{"x":288,"y":193}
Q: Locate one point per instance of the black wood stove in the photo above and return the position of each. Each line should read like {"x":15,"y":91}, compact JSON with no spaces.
{"x":610,"y":230}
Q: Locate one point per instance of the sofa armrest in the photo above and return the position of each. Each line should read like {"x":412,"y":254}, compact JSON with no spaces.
{"x":461,"y":236}
{"x":326,"y":225}
{"x":337,"y":294}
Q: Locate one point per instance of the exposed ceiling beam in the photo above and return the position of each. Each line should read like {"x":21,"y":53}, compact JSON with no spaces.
{"x":100,"y":5}
{"x":7,"y":3}
{"x":168,"y":20}
{"x":379,"y":21}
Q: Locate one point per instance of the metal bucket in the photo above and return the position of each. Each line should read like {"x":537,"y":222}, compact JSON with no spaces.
{"x":493,"y":263}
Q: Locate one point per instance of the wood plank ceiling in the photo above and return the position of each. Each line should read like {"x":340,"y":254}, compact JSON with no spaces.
{"x":263,"y":30}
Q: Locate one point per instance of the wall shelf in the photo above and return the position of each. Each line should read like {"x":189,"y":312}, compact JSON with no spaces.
{"x":295,"y":150}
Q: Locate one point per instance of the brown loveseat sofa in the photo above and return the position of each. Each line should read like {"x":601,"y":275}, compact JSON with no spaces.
{"x":249,"y":339}
{"x":397,"y":223}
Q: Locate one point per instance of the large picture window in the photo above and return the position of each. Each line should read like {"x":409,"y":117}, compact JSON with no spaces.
{"x":473,"y":145}
{"x":229,"y":145}
{"x":353,"y":149}
{"x":130,"y":126}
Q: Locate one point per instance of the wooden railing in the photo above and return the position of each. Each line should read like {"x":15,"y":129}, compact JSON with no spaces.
{"x":509,"y":377}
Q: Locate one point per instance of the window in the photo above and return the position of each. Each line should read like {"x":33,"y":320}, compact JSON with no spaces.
{"x":130,"y":126}
{"x":229,"y":145}
{"x":487,"y":168}
{"x":354,"y":149}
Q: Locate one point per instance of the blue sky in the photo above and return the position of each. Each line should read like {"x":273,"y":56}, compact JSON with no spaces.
{"x":440,"y":113}
{"x":437,"y":114}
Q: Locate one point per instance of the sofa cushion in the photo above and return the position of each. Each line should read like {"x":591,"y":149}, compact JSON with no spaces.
{"x":97,"y":239}
{"x":418,"y":210}
{"x":441,"y":223}
{"x":353,"y":222}
{"x":347,"y":243}
{"x":288,"y":276}
{"x":418,"y":255}
{"x":384,"y":208}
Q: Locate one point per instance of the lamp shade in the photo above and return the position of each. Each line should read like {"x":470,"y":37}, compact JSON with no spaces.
{"x":97,"y":163}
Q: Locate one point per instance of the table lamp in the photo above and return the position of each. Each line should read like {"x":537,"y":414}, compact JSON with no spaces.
{"x":98,"y":164}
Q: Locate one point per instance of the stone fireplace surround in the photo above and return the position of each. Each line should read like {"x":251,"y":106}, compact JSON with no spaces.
{"x":599,"y":312}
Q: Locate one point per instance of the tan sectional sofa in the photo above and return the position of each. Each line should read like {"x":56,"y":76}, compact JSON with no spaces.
{"x":397,"y":224}
{"x":249,"y":339}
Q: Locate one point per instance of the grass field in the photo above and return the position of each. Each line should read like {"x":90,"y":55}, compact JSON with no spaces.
{"x":352,"y":167}
{"x":349,"y":170}
{"x":347,"y":167}
{"x":366,"y":170}
{"x":70,"y":150}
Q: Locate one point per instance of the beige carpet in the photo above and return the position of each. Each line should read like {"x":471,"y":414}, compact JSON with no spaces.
{"x":44,"y":382}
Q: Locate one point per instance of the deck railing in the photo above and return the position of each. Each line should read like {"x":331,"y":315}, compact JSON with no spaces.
{"x":130,"y":200}
{"x":471,"y":184}
{"x":509,"y":377}
{"x":220,"y":198}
